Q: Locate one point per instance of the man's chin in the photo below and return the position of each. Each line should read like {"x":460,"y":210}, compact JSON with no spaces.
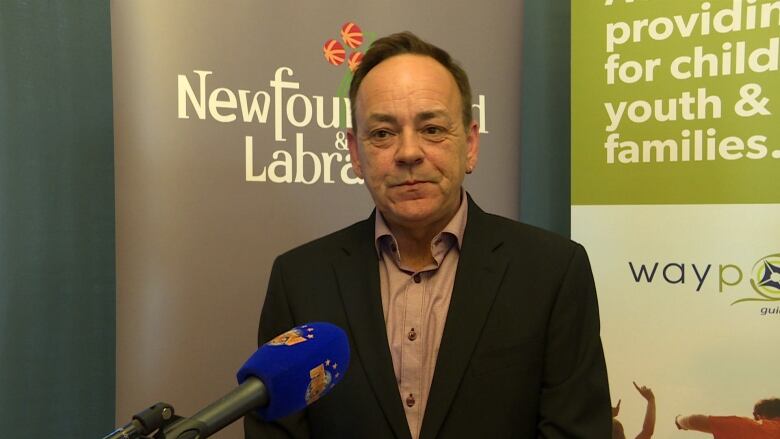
{"x":417,"y":212}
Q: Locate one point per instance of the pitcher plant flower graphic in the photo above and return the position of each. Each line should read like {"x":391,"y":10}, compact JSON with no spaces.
{"x":335,"y":54}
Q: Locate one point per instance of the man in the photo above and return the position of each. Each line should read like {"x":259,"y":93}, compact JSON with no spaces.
{"x":461,"y":323}
{"x":764,"y":425}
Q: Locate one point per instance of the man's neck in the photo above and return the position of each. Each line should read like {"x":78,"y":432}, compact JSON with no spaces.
{"x":415,"y":249}
{"x":414,"y":240}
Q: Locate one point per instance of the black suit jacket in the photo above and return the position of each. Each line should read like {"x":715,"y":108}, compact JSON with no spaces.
{"x":520,"y":356}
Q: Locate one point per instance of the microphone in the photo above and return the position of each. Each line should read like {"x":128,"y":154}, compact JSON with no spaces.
{"x":285,"y":375}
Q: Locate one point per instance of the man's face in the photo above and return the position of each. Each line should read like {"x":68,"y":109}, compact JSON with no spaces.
{"x":410,"y":144}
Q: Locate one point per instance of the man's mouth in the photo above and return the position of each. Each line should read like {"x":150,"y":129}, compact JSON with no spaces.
{"x":409,"y":182}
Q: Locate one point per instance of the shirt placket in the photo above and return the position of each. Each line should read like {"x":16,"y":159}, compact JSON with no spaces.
{"x":412,"y":352}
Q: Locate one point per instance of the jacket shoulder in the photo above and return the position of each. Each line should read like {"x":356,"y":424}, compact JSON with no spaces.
{"x":338,"y":241}
{"x":528,"y":237}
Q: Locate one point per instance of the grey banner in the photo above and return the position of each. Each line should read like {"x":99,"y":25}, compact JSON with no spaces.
{"x":227,"y":155}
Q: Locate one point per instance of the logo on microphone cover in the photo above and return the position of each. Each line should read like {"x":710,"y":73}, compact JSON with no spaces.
{"x":321,"y":380}
{"x":292,"y":337}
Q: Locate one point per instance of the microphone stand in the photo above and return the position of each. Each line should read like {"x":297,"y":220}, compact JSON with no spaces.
{"x":146,"y":422}
{"x":249,"y":395}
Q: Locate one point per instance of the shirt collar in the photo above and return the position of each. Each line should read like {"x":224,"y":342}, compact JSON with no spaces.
{"x":456,"y":227}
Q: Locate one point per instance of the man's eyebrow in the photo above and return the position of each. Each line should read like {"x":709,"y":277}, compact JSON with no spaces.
{"x":420,"y":117}
{"x":428,"y":115}
{"x":381,"y":117}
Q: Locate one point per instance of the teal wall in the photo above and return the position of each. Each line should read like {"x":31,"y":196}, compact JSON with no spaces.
{"x":56,"y":220}
{"x":545,"y":166}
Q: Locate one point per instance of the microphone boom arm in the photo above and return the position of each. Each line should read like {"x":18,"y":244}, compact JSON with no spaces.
{"x":249,"y":395}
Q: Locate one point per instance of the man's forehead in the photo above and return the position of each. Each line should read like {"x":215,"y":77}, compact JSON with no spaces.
{"x":406,"y":81}
{"x":393,"y":71}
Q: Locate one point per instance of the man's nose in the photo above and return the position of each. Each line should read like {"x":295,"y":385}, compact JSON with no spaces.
{"x":409,"y":152}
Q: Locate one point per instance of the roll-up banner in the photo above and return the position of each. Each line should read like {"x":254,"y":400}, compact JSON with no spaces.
{"x":230,"y":122}
{"x":675,"y":171}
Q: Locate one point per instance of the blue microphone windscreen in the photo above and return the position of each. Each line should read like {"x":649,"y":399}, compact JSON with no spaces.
{"x":298,"y":367}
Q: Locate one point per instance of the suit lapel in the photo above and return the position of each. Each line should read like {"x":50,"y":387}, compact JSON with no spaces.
{"x":477,"y":280}
{"x":357,"y":271}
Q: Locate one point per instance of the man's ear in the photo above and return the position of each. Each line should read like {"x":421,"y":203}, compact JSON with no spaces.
{"x":472,"y":146}
{"x":354,"y":156}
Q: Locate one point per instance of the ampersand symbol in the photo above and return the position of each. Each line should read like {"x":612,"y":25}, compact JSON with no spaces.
{"x":749,"y":105}
{"x":341,"y":141}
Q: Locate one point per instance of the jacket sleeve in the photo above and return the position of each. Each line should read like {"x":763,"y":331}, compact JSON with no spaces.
{"x":276,"y":318}
{"x":575,"y":392}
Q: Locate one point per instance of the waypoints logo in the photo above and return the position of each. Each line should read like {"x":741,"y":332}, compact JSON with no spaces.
{"x":763,"y":277}
{"x":765,"y":280}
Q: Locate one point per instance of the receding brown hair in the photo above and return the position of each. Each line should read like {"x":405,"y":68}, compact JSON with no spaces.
{"x":408,"y":43}
{"x":767,"y":408}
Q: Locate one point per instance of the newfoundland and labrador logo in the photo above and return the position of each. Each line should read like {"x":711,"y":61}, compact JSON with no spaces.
{"x":199,"y":95}
{"x":764,"y":278}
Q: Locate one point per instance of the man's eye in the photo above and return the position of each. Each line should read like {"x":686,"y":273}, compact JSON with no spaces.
{"x":433,"y":131}
{"x":380,"y":134}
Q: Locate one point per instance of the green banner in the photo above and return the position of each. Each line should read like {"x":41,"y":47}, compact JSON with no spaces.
{"x":675,"y":160}
{"x":675,"y":102}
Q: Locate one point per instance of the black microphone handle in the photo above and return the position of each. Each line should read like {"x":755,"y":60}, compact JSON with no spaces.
{"x":251,"y":394}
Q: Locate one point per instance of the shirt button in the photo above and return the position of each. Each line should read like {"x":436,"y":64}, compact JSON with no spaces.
{"x":410,"y":400}
{"x":417,"y":278}
{"x":412,"y":336}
